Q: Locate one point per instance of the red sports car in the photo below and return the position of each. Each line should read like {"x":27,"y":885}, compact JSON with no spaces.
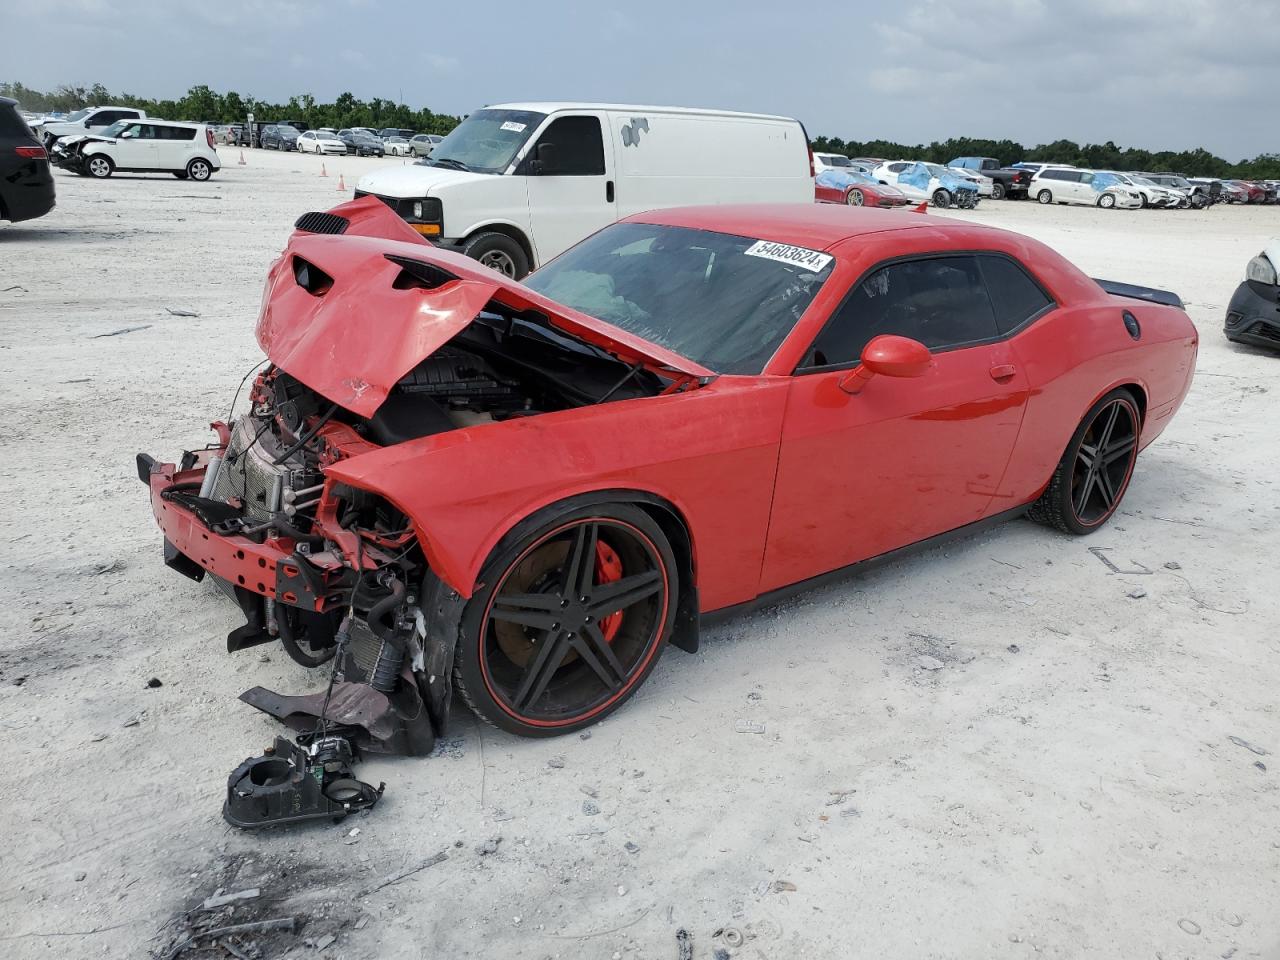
{"x":525,"y":492}
{"x":855,"y":189}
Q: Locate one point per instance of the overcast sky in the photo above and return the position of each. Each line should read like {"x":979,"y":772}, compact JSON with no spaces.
{"x":1160,"y":74}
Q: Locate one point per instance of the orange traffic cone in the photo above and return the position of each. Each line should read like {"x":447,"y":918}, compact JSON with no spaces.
{"x":322,"y":171}
{"x":242,"y":163}
{"x":341,"y":183}
{"x":923,"y":208}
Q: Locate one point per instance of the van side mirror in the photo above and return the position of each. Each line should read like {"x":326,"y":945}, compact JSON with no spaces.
{"x":888,"y":356}
{"x":126,"y":135}
{"x":544,"y":159}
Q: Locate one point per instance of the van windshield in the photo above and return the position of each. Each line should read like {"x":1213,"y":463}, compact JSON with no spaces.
{"x":723,"y":301}
{"x":485,"y":142}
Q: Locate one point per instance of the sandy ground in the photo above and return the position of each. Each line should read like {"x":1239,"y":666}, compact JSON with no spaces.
{"x":1064,"y":785}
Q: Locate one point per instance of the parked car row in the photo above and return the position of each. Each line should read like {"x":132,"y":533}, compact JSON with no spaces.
{"x":359,"y":141}
{"x":1045,"y":182}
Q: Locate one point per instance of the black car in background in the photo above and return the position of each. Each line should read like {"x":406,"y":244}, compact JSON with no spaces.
{"x":361,"y":143}
{"x":397,"y":132}
{"x":26,"y":180}
{"x":279,"y":136}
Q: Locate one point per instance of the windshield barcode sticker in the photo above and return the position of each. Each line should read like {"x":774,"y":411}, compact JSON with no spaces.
{"x":513,"y":126}
{"x":785,"y":253}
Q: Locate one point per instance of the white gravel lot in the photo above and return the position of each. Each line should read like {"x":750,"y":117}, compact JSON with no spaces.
{"x":1064,"y":786}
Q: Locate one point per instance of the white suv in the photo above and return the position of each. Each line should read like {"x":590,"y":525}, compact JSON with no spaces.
{"x":184,"y":149}
{"x":86,"y":120}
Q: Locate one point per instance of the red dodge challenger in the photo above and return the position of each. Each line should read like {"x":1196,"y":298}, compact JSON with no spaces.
{"x":524,"y":492}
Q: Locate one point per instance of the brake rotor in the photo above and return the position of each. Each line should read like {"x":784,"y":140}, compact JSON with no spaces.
{"x":540,"y":572}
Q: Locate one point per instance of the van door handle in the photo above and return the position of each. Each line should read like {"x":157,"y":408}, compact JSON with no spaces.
{"x":608,"y":191}
{"x":1003,"y":371}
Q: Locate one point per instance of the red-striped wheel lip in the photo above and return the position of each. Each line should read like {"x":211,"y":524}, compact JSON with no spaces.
{"x":640,"y":668}
{"x":1128,"y":474}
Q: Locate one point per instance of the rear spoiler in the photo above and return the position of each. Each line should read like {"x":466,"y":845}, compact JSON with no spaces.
{"x":1135,"y":292}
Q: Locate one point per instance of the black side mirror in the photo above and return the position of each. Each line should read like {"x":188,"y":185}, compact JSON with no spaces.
{"x":544,"y":159}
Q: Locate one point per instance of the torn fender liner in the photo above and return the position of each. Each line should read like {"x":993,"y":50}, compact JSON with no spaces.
{"x":378,"y":723}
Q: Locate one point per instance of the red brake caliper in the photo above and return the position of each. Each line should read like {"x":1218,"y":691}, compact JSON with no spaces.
{"x":608,"y":569}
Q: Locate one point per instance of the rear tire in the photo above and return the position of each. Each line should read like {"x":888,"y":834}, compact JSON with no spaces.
{"x":199,"y":170}
{"x":997,"y":191}
{"x":604,"y":579}
{"x":855,"y":198}
{"x":1094,"y":473}
{"x":1045,"y":197}
{"x":498,"y":252}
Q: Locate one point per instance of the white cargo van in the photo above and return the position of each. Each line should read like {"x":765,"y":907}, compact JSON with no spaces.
{"x":516,"y":184}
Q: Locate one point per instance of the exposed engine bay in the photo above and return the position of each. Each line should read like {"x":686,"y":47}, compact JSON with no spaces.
{"x":351,"y":579}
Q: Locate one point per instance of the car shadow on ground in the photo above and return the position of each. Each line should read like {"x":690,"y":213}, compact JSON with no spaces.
{"x":19,"y":233}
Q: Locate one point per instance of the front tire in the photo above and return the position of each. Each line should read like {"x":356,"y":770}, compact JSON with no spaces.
{"x":1045,"y":197}
{"x":498,"y":252}
{"x":1107,"y":201}
{"x":100,"y":167}
{"x":941,"y":199}
{"x":1094,"y":473}
{"x":571,"y":619}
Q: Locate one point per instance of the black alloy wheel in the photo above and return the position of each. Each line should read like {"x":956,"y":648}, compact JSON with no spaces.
{"x":1090,"y":481}
{"x":572,"y":618}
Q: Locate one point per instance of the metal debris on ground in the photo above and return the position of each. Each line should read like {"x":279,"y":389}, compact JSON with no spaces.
{"x":120,"y":332}
{"x":1101,"y":554}
{"x":1137,"y":593}
{"x":180,"y":313}
{"x":748,"y":726}
{"x":221,"y":900}
{"x":1252,"y":748}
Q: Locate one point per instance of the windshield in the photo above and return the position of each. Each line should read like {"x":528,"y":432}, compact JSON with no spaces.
{"x":288,"y":133}
{"x":723,"y":301}
{"x":832,"y":160}
{"x":487,"y":141}
{"x":78,"y":115}
{"x":114,"y":129}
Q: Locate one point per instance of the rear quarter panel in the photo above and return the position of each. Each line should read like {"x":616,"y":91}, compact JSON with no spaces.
{"x":1075,"y":355}
{"x":711,"y":452}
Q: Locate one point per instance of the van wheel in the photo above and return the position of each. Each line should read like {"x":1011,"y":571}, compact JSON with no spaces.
{"x":1107,"y":201}
{"x":941,"y":199}
{"x":1045,"y":197}
{"x":498,"y":252}
{"x":199,"y":170}
{"x":100,"y":167}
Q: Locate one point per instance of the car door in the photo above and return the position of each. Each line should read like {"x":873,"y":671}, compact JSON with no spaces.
{"x":569,"y":177}
{"x":904,"y":459}
{"x":135,"y":147}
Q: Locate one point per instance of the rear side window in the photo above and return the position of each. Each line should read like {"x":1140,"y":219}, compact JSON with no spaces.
{"x":942,"y":302}
{"x":579,"y":147}
{"x":1015,"y":297}
{"x":11,"y":123}
{"x":176,"y":133}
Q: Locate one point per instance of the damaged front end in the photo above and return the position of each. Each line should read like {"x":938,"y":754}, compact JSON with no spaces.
{"x":372,"y":343}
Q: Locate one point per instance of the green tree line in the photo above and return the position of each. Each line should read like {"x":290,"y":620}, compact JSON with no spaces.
{"x":203,"y":103}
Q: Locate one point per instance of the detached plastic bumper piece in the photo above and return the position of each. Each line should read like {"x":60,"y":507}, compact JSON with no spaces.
{"x":291,"y":783}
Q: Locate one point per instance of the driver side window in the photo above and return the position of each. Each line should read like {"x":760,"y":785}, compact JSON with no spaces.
{"x":579,"y":147}
{"x":941,"y":301}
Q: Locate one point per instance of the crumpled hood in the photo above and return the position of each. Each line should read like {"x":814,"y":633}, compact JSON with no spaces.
{"x":350,"y":331}
{"x":414,"y":181}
